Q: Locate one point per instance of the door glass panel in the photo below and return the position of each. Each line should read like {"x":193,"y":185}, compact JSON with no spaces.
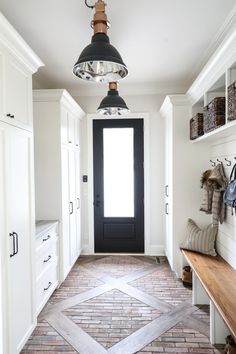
{"x":118,"y":160}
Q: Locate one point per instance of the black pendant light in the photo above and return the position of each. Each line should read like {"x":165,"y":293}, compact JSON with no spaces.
{"x":113,"y":104}
{"x":100,"y":61}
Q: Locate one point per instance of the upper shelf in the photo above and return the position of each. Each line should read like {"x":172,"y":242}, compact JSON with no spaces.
{"x":227,"y":130}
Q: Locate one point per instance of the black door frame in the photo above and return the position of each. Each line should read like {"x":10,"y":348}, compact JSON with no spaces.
{"x":88,"y":191}
{"x":135,"y":244}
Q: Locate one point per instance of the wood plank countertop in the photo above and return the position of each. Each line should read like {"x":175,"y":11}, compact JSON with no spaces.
{"x":219,"y":280}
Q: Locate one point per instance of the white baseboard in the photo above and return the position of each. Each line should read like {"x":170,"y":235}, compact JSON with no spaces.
{"x":85,"y":250}
{"x":155,"y":250}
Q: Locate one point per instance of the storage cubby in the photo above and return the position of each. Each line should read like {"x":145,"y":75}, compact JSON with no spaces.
{"x":218,"y":89}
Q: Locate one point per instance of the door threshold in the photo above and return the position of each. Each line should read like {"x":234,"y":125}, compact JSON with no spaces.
{"x":118,"y":254}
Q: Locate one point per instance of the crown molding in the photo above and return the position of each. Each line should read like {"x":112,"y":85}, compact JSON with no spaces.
{"x":225,"y":30}
{"x":172,"y":101}
{"x":222,"y":58}
{"x":14,"y":43}
{"x":58,"y":95}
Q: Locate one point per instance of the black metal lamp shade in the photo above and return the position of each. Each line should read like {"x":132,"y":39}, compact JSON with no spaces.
{"x":113,"y":104}
{"x":100,"y":61}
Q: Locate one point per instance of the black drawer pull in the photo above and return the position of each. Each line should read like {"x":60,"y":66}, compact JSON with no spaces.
{"x":10,"y":115}
{"x":47,"y":238}
{"x":48,"y":259}
{"x":49,"y":284}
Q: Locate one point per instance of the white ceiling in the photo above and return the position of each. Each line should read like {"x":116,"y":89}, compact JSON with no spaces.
{"x":164,"y":43}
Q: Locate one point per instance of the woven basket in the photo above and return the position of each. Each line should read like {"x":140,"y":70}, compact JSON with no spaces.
{"x":214,"y":114}
{"x":187,"y":275}
{"x":232,"y":102}
{"x":196,"y":126}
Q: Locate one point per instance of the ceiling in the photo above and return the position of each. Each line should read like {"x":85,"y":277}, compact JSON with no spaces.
{"x":164,"y":43}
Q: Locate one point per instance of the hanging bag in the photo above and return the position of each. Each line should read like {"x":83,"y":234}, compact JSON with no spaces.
{"x":230,"y":192}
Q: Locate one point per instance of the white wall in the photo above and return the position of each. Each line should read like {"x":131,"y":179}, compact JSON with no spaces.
{"x":226,"y":239}
{"x":140,"y":104}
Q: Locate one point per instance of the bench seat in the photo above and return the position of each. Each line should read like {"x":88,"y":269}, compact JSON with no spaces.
{"x":218,"y":279}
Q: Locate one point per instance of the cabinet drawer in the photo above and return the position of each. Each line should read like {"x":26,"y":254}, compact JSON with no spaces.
{"x":46,"y":237}
{"x":46,"y":285}
{"x":46,"y":256}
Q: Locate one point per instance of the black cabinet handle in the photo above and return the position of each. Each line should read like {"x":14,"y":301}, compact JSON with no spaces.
{"x":166,"y":190}
{"x":17,"y":244}
{"x":167,"y":208}
{"x":49,"y":284}
{"x":10,"y":115}
{"x":71,"y":208}
{"x":47,"y":238}
{"x":46,"y":260}
{"x":69,"y":141}
{"x":14,"y":246}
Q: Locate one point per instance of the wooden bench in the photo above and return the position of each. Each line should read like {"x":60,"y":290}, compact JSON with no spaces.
{"x":214,"y":282}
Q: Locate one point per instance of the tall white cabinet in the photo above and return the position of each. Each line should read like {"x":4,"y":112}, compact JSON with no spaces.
{"x":17,"y":216}
{"x":57,"y":169}
{"x":183,"y":165}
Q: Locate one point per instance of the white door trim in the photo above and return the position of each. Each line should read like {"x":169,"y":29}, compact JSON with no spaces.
{"x":145,"y":117}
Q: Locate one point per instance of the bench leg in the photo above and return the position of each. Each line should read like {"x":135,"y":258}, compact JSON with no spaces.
{"x":218,"y":329}
{"x":199,"y":295}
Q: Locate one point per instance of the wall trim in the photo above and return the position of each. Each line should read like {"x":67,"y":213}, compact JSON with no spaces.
{"x":156,"y":250}
{"x":147,"y":192}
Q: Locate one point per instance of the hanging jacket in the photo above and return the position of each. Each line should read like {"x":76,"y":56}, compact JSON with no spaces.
{"x":214,"y":183}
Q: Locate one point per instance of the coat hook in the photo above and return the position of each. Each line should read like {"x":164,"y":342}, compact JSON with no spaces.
{"x":213,"y":163}
{"x":218,"y":161}
{"x":228,"y":162}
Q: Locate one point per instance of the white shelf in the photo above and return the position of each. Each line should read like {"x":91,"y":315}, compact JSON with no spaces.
{"x":227,"y":130}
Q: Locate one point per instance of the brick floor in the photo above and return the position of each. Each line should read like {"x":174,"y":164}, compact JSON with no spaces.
{"x":180,"y":339}
{"x":107,"y":317}
{"x":164,"y":285}
{"x":111,"y":317}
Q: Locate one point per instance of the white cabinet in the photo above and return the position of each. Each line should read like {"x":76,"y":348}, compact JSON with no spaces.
{"x":57,"y":169}
{"x":47,"y":278}
{"x":183,"y":161}
{"x":69,"y":127}
{"x":16,"y":233}
{"x":18,"y":93}
{"x":17,"y":253}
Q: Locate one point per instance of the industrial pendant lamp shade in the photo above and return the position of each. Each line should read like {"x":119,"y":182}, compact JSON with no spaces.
{"x":113,"y":104}
{"x":100,"y":61}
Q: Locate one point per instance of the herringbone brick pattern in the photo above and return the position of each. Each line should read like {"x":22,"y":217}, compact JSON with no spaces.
{"x":123,"y":305}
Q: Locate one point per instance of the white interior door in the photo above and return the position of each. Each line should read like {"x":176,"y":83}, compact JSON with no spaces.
{"x":19,"y":205}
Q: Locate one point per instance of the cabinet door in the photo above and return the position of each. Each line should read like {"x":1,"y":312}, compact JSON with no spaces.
{"x":64,"y":125}
{"x":77,"y":132}
{"x":20,"y":233}
{"x":17,"y":93}
{"x":65,"y":240}
{"x":78,"y":201}
{"x":2,"y":115}
{"x":73,"y":230}
{"x":71,"y":128}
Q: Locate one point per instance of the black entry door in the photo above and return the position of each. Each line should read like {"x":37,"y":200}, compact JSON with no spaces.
{"x":118,"y":185}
